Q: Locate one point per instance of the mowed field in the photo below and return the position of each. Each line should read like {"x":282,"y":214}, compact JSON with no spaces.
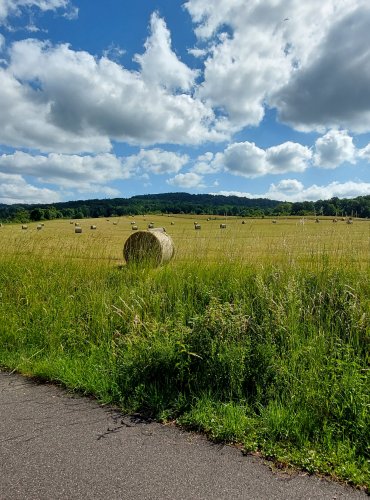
{"x":256,"y":334}
{"x":257,"y":242}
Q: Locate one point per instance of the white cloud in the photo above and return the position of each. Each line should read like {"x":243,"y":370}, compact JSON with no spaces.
{"x":14,"y":7}
{"x":156,"y":161}
{"x":293,"y":190}
{"x":364,"y":153}
{"x":14,"y":189}
{"x":332,"y":90}
{"x":188,"y":180}
{"x":159,"y":64}
{"x":288,"y":157}
{"x":57,"y":99}
{"x":248,"y":160}
{"x":86,"y":173}
{"x":334,"y":148}
{"x":290,"y":54}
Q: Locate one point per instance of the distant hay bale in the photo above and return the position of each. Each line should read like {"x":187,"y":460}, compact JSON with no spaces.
{"x":349,"y":221}
{"x":78,"y":229}
{"x":134,"y":228}
{"x":243,"y":221}
{"x":222,"y":226}
{"x":172,"y":223}
{"x":24,"y":226}
{"x":195,"y":223}
{"x":154,"y":247}
{"x":197,"y":226}
{"x":114,"y":223}
{"x":132,"y":222}
{"x":71,"y":221}
{"x":39,"y":227}
{"x":335,"y":220}
{"x":42,"y":224}
{"x":151,"y":225}
{"x":77,"y":224}
{"x":274,"y":221}
{"x":92,"y":226}
{"x":317,"y":221}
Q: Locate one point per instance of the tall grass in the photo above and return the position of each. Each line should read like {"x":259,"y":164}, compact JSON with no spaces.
{"x":273,"y":354}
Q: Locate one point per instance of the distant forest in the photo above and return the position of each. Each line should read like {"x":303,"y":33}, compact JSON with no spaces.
{"x":184,"y":203}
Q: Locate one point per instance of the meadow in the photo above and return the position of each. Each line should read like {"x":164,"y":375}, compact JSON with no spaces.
{"x":257,"y":334}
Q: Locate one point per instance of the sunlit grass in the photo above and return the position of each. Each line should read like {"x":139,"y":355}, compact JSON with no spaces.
{"x":258,"y":333}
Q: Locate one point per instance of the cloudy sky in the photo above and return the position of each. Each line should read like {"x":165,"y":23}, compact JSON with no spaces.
{"x":102,"y":99}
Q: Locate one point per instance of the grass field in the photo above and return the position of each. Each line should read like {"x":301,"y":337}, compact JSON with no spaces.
{"x":256,"y":334}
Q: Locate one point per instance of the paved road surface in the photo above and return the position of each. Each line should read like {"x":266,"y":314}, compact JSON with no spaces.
{"x":57,"y":446}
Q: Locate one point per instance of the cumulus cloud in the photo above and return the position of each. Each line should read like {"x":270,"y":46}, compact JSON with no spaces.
{"x":293,"y":190}
{"x":56,"y":99}
{"x":302,"y":57}
{"x":159,"y":64}
{"x":334,"y":148}
{"x":14,"y":7}
{"x":333,"y":88}
{"x":156,"y":161}
{"x":186,"y":181}
{"x":86,"y":173}
{"x":14,"y":189}
{"x":248,"y":160}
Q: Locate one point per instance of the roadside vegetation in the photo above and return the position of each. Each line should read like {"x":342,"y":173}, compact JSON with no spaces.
{"x":258,"y":334}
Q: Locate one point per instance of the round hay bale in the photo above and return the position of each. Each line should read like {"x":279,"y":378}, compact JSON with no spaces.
{"x":151,"y":225}
{"x":197,"y":226}
{"x":78,"y":229}
{"x":134,"y":228}
{"x":243,"y":221}
{"x":172,"y":223}
{"x":24,"y":226}
{"x":317,"y":221}
{"x":222,"y":226}
{"x":39,"y":227}
{"x":92,"y":226}
{"x":77,"y":224}
{"x":154,"y":247}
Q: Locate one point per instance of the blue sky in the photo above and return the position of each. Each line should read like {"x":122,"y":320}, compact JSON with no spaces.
{"x":112,"y":99}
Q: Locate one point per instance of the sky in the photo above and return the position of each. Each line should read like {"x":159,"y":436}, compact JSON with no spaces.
{"x":256,"y":98}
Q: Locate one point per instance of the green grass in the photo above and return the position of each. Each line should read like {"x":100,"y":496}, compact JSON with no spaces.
{"x":271,"y":355}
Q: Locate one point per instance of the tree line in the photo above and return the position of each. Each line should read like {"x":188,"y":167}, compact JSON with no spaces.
{"x":184,"y":203}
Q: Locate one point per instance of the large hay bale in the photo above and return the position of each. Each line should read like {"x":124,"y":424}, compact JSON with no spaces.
{"x":153,"y":247}
{"x":78,"y":229}
{"x":222,"y":226}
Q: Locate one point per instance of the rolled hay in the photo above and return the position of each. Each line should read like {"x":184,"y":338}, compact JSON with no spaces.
{"x":77,"y":224}
{"x":151,"y":225}
{"x":160,"y":229}
{"x":172,"y":223}
{"x":197,"y":226}
{"x":134,"y":228}
{"x":222,"y":226}
{"x":114,"y":223}
{"x":92,"y":226}
{"x":71,"y":221}
{"x":132,"y":222}
{"x":78,"y":229}
{"x":39,"y":227}
{"x":24,"y":226}
{"x":317,"y":221}
{"x":154,"y":247}
{"x":274,"y":221}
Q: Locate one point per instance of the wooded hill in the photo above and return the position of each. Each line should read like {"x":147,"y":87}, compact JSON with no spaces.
{"x":184,"y":203}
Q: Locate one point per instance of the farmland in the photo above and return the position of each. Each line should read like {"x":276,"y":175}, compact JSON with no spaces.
{"x":256,"y":334}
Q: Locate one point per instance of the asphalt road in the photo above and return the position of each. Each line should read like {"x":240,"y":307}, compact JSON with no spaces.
{"x":57,"y":446}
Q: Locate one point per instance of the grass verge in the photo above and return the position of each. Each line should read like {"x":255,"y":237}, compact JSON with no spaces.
{"x":273,"y":358}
